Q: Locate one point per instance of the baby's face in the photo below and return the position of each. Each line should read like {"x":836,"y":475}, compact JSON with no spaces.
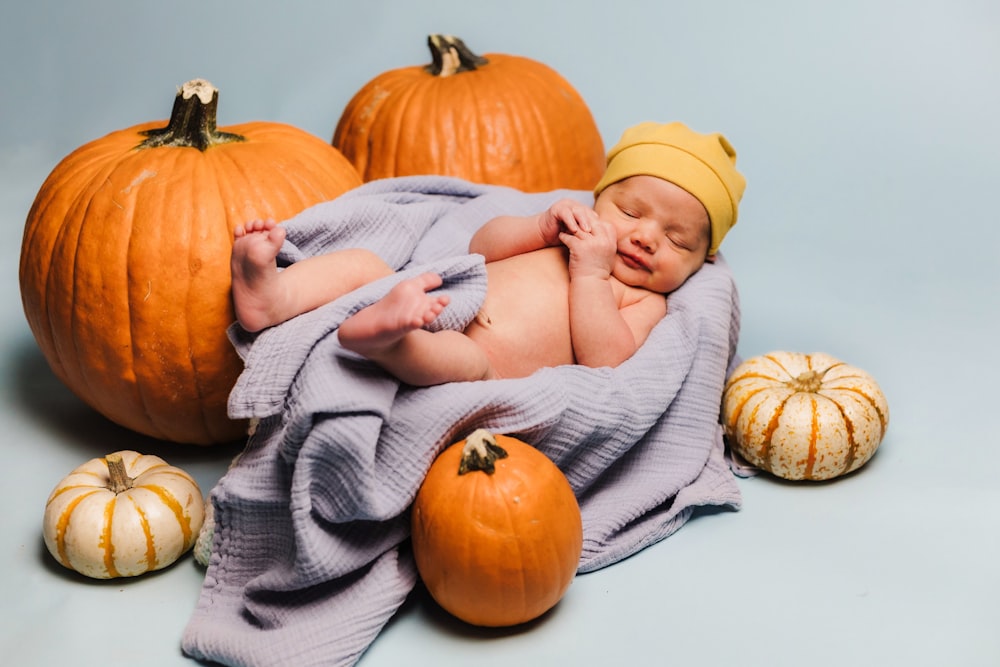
{"x":663,"y":232}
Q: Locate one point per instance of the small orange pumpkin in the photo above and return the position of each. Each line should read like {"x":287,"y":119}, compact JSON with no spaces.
{"x":122,"y":515}
{"x":803,"y":416}
{"x":497,"y":119}
{"x":497,"y":531}
{"x":125,"y":259}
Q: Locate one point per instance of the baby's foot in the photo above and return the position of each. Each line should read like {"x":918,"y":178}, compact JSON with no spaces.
{"x":407,"y":307}
{"x":255,"y":272}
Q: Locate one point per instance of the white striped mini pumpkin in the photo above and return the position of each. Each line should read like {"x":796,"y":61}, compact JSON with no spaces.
{"x":803,"y":416}
{"x":122,"y":515}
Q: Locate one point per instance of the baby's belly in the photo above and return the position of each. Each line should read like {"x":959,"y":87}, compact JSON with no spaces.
{"x":524,"y":322}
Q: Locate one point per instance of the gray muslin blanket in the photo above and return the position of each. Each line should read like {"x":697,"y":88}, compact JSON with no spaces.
{"x":309,"y":558}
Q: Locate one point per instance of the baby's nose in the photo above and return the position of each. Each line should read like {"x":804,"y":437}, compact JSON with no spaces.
{"x":642,"y":240}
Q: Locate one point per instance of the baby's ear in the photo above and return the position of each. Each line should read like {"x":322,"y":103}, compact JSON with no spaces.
{"x":710,"y":259}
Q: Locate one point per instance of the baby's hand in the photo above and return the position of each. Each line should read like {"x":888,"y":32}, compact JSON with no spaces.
{"x":592,"y":253}
{"x":565,"y":216}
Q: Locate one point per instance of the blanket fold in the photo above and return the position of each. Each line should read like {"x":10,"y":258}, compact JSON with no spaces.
{"x":309,"y":560}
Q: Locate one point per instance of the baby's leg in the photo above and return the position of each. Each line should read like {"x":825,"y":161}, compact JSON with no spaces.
{"x":264,"y":296}
{"x":390,"y":332}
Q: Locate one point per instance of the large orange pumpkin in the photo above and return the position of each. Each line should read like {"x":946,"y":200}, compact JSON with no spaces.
{"x":497,"y":532}
{"x":498,"y":119}
{"x":125,"y":259}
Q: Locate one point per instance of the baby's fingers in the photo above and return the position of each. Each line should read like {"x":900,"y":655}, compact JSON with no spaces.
{"x":567,"y":239}
{"x":573,"y":217}
{"x":583,"y":219}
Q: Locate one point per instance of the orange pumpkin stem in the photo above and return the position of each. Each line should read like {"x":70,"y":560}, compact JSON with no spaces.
{"x":120,"y":481}
{"x":480,"y":453}
{"x":192,"y":120}
{"x":450,"y":55}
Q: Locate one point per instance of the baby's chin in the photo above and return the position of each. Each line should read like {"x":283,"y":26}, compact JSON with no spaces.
{"x":642,"y":279}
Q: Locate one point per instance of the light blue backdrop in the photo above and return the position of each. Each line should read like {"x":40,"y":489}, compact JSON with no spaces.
{"x":868,"y":133}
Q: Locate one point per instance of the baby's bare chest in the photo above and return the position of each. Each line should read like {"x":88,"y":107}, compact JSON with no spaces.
{"x":528,"y":288}
{"x":524,"y":321}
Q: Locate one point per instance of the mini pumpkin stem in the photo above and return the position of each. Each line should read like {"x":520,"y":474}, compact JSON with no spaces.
{"x":450,"y":55}
{"x":120,"y":481}
{"x":810,"y":381}
{"x":192,"y":120}
{"x":480,"y":453}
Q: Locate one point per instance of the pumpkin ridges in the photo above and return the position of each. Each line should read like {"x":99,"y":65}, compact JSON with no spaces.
{"x":555,"y":137}
{"x":754,"y":375}
{"x":882,"y":416}
{"x":151,"y":559}
{"x":520,"y":134}
{"x":866,"y":406}
{"x":431,"y":521}
{"x":868,"y":399}
{"x":592,"y":160}
{"x":751,"y":421}
{"x":788,"y":374}
{"x":204,"y":271}
{"x":270,"y":138}
{"x":398,"y":142}
{"x":354,"y":145}
{"x":164,"y":470}
{"x":852,"y":444}
{"x":206,"y":365}
{"x":476,"y":131}
{"x":67,"y":172}
{"x":826,"y":371}
{"x":596,"y":161}
{"x":406,"y":137}
{"x":475,"y":134}
{"x":80,"y":221}
{"x":465,"y":130}
{"x":353,"y":134}
{"x":173,"y":528}
{"x":813,"y":437}
{"x":395,"y":137}
{"x":144,"y":290}
{"x":738,"y":410}
{"x":168,"y":362}
{"x":544,"y":550}
{"x":517,"y":552}
{"x":77,"y":347}
{"x":493,"y":496}
{"x":62,"y":523}
{"x":767,"y":442}
{"x":65,"y":489}
{"x":107,"y":543}
{"x":171,"y":502}
{"x":56,"y":306}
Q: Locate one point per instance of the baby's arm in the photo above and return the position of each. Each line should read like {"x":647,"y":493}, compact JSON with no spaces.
{"x":602,"y":332}
{"x":508,"y":235}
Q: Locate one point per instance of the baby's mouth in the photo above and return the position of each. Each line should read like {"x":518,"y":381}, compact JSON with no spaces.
{"x":633,"y":261}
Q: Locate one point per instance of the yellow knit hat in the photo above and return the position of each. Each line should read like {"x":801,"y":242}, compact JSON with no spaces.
{"x":702,"y":164}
